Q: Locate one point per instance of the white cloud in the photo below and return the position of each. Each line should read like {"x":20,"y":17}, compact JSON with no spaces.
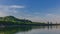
{"x":12,"y":6}
{"x":9,"y":9}
{"x":16,"y":6}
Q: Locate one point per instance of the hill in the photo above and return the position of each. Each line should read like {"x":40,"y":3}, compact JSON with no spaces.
{"x":13,"y":19}
{"x":9,"y":20}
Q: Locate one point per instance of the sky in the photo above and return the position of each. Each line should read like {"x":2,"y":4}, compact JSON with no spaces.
{"x":34,"y":10}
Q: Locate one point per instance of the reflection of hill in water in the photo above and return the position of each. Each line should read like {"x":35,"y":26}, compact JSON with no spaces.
{"x":12,"y":30}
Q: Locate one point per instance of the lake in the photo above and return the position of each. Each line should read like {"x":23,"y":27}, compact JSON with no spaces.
{"x":31,"y":30}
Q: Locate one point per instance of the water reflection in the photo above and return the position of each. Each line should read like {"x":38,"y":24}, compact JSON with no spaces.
{"x":13,"y":30}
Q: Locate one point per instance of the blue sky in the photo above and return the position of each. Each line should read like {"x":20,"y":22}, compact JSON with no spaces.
{"x":35,"y":10}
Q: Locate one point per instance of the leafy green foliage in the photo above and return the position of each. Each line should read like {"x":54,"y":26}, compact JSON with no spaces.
{"x":9,"y":20}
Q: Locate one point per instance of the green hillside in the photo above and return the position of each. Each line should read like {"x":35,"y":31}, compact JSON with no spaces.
{"x":13,"y":20}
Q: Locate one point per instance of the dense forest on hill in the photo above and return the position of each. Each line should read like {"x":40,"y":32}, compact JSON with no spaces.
{"x":11,"y":20}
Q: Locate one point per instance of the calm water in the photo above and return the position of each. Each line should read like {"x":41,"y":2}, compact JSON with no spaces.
{"x":31,"y":30}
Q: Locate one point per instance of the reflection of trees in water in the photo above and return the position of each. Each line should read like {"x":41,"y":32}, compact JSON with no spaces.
{"x":12,"y":30}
